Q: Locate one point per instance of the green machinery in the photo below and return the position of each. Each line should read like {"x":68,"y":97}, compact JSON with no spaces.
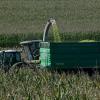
{"x":29,"y":56}
{"x":30,"y":51}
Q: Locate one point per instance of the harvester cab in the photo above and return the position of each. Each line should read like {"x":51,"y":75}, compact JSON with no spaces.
{"x":31,"y":51}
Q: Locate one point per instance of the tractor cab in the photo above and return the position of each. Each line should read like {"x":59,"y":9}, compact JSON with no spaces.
{"x":31,"y":50}
{"x":9,"y":58}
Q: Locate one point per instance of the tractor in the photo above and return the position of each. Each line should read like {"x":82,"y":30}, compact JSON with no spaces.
{"x":28,"y":56}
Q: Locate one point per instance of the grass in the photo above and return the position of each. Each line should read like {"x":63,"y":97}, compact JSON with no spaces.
{"x":43,"y":85}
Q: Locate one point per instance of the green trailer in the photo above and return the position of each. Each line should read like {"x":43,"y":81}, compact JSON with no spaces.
{"x":70,"y":55}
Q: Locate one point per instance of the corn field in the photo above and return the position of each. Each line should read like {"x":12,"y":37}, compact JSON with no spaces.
{"x":30,"y":16}
{"x":27,"y":84}
{"x":12,"y":40}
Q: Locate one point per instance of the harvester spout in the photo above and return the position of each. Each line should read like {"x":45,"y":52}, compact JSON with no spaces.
{"x":46,"y":29}
{"x":50,"y":22}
